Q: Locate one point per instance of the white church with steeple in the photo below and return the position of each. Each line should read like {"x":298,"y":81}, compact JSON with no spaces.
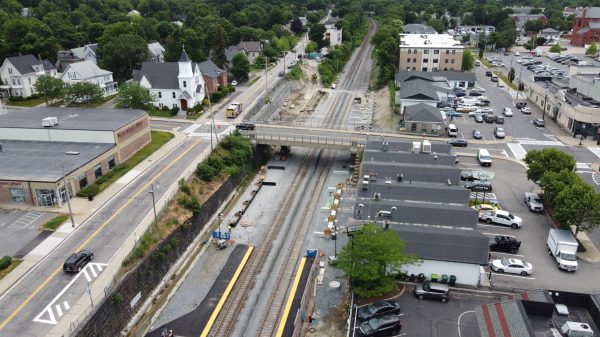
{"x":173,"y":84}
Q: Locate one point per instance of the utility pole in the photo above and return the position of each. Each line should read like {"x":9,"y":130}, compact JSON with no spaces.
{"x":154,"y":188}
{"x":68,"y":197}
{"x":545,"y":99}
{"x":519,"y":84}
{"x":212,"y":124}
{"x":266,"y":77}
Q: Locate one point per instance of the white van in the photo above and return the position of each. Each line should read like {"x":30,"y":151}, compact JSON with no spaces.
{"x":470,"y":101}
{"x":484,"y":158}
{"x":452,"y":130}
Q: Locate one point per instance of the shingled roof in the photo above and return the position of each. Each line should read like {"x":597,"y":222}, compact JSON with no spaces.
{"x":210,"y":69}
{"x":423,"y":113}
{"x":25,"y":63}
{"x":418,"y":89}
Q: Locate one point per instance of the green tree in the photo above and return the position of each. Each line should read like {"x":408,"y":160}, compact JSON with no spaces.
{"x":134,"y":96}
{"x":240,"y":67}
{"x":540,"y":41}
{"x":533,"y":26}
{"x":316,"y":34}
{"x":311,"y":46}
{"x":578,"y":205}
{"x":436,"y":24}
{"x":592,"y":50}
{"x":123,"y":53}
{"x":481,"y":54}
{"x":511,"y":75}
{"x":218,"y":48}
{"x":296,"y":26}
{"x":369,"y":257}
{"x":554,"y":182}
{"x":468,"y":61}
{"x":555,"y":48}
{"x":259,"y":61}
{"x":49,"y":87}
{"x":547,"y":160}
{"x":83,"y":93}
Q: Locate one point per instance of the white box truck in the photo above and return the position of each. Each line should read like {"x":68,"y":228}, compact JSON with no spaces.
{"x":562,"y":245}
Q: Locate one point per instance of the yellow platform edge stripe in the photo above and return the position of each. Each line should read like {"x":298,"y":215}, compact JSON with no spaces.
{"x":288,"y":305}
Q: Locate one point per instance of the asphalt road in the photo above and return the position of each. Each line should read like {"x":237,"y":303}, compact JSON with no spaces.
{"x":44,"y":295}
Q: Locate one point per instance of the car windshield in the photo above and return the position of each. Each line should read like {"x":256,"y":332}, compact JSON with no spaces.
{"x":504,"y":262}
{"x":568,"y":257}
{"x":512,"y":217}
{"x":486,"y":157}
{"x":371,"y":308}
{"x":537,"y":200}
{"x":426,"y":286}
{"x":374,"y":323}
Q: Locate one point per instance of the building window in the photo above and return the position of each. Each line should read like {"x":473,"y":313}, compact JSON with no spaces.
{"x":414,"y":60}
{"x":159,"y":94}
{"x":408,"y":60}
{"x":160,"y":105}
{"x":453,"y":52}
{"x":173,"y":94}
{"x":445,"y":69}
{"x":175,"y":105}
{"x":447,"y":52}
{"x":409,"y":51}
{"x":414,"y":68}
{"x":436,"y":51}
{"x":436,"y":60}
{"x":425,"y":60}
{"x":452,"y":61}
{"x":426,"y":51}
{"x":434,"y":69}
{"x":184,"y":84}
{"x":82,"y":180}
{"x":424,"y":69}
{"x":111,"y":162}
{"x":446,"y":61}
{"x":10,"y":71}
{"x":414,"y":51}
{"x":407,"y":68}
{"x":98,"y":171}
{"x":17,"y":195}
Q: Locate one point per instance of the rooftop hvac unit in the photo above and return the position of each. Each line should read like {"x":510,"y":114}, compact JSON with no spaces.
{"x":426,"y":148}
{"x":577,"y":329}
{"x":49,"y":122}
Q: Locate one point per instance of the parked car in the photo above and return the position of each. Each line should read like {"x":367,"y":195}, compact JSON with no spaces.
{"x":499,"y":120}
{"x":453,"y":114}
{"x":526,"y":110}
{"x":458,"y":142}
{"x":479,"y":186}
{"x":488,"y":73}
{"x":485,"y":208}
{"x":499,"y":132}
{"x":494,"y":78}
{"x":503,"y":243}
{"x":513,"y":266}
{"x":438,"y":291}
{"x":467,"y":176}
{"x":234,"y":83}
{"x":483,"y":102}
{"x":479,"y":89}
{"x":517,"y":53}
{"x":477,"y":134}
{"x":500,"y":85}
{"x":379,"y":308}
{"x":488,"y":111}
{"x":387,"y":325}
{"x":77,"y":261}
{"x":460,"y":93}
{"x":534,"y":202}
{"x":507,"y":112}
{"x":488,"y":118}
{"x":245,"y":126}
{"x":520,"y":105}
{"x":539,"y":123}
{"x":478,"y":119}
{"x":475,"y":93}
{"x":502,"y":218}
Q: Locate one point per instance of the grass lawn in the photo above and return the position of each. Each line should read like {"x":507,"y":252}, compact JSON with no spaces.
{"x":160,"y":113}
{"x":28,"y":103}
{"x":195,"y":116}
{"x":54,"y":223}
{"x":94,"y":105}
{"x":254,"y":80}
{"x":159,"y":138}
{"x":503,"y":77}
{"x":13,"y":265}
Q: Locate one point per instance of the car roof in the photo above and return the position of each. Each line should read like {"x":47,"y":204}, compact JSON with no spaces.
{"x":439,"y":286}
{"x":515,"y":261}
{"x":384,"y":303}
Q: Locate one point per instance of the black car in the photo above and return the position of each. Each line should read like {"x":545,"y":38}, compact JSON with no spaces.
{"x":479,"y":186}
{"x":467,"y":176}
{"x":444,"y":105}
{"x":488,"y":73}
{"x":379,"y":308}
{"x":458,"y":142}
{"x":474,"y":93}
{"x":499,"y":120}
{"x":488,"y":119}
{"x":245,"y":126}
{"x":387,"y":325}
{"x":521,"y":105}
{"x":501,"y":243}
{"x":77,"y":261}
{"x":460,"y":93}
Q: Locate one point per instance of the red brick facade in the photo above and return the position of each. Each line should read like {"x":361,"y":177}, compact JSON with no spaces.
{"x":583,"y":34}
{"x":213,"y":83}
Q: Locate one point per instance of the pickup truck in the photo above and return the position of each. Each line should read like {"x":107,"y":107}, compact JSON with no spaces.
{"x":501,"y":243}
{"x":534,"y":203}
{"x":501,"y":217}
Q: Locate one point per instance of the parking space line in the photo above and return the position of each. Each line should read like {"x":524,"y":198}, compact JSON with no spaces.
{"x":516,"y":276}
{"x":495,"y":226}
{"x":495,"y":234}
{"x":507,"y":254}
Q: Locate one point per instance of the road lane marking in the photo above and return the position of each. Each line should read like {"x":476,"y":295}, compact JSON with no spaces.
{"x":517,"y":150}
{"x":595,"y":150}
{"x":95,"y":233}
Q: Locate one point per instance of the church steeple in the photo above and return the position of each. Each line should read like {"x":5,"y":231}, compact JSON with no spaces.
{"x":184,"y":56}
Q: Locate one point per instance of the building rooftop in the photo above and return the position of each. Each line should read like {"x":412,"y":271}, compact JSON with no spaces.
{"x":418,"y":28}
{"x":94,"y":119}
{"x":425,"y":192}
{"x":423,"y":113}
{"x":87,"y":69}
{"x":444,"y":159}
{"x":429,"y":40}
{"x":413,"y":172}
{"x":376,"y":143}
{"x":43,"y":161}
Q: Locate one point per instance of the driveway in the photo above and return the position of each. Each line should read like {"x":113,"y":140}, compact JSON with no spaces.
{"x":20,"y":231}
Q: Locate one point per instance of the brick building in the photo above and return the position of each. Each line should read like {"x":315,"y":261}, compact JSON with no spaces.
{"x":586,"y":27}
{"x":430,"y":52}
{"x":38,"y":153}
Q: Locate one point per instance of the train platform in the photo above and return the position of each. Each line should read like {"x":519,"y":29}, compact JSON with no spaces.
{"x":193,"y":323}
{"x":290,"y":315}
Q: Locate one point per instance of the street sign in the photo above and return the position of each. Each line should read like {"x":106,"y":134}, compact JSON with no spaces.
{"x":483,"y":175}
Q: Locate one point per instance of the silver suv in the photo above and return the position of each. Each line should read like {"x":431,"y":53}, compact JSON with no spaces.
{"x":438,"y":291}
{"x":534,"y":203}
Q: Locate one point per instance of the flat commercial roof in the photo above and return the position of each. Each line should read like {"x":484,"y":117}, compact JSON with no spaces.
{"x":93,"y":119}
{"x":417,"y":191}
{"x":429,"y":41}
{"x":376,"y":143}
{"x":412,"y":172}
{"x":43,"y":161}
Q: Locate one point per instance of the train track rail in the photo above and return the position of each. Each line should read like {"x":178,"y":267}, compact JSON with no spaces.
{"x":226,"y":322}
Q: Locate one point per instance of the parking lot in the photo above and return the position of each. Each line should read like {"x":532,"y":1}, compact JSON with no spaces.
{"x":429,"y":318}
{"x":18,"y":229}
{"x":509,"y":186}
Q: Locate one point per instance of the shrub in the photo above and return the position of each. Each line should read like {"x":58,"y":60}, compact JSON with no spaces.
{"x":205,"y":171}
{"x":184,"y":187}
{"x":216,"y":97}
{"x":174,"y":111}
{"x":190,"y":203}
{"x":5,"y":262}
{"x":90,"y":190}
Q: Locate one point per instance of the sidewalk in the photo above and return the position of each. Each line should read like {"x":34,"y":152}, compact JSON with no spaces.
{"x":82,"y":209}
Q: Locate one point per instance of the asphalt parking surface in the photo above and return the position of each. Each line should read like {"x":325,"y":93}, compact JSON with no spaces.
{"x":509,"y":185}
{"x":18,"y":229}
{"x":430,"y":318}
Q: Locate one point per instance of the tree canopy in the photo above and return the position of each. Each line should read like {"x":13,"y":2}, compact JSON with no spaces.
{"x":370,"y":256}
{"x":133,"y":95}
{"x":547,"y":160}
{"x":578,"y":205}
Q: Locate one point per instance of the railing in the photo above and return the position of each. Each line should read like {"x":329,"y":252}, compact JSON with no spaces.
{"x":343,"y":142}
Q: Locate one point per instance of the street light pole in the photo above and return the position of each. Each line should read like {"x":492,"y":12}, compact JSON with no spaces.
{"x":545,"y":99}
{"x":68,"y":197}
{"x":153,"y":188}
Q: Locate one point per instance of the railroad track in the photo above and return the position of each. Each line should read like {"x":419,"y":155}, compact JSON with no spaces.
{"x":226,"y":322}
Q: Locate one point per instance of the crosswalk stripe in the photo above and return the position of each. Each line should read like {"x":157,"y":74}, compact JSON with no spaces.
{"x":540,"y":142}
{"x":518,"y":151}
{"x":595,"y":150}
{"x":583,"y":165}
